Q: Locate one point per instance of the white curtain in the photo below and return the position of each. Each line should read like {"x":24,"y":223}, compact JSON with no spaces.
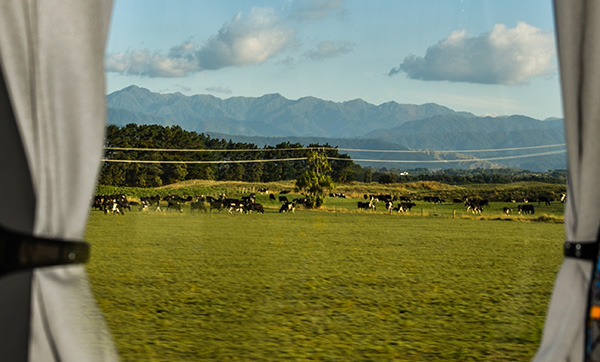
{"x":578,"y":37}
{"x":51,"y":57}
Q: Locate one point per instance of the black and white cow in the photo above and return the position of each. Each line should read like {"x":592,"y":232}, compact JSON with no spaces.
{"x":287,"y":207}
{"x":405,"y":206}
{"x":366,"y":205}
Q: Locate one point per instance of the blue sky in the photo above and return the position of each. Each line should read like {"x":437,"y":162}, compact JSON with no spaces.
{"x":482,"y":56}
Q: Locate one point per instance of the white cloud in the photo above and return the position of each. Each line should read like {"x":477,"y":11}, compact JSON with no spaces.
{"x":146,"y":63}
{"x":314,"y":9}
{"x":246,"y":40}
{"x":329,"y":49}
{"x":502,"y":56}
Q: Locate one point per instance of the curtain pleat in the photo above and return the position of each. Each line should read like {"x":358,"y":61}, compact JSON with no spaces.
{"x":578,"y":39}
{"x":51,"y":56}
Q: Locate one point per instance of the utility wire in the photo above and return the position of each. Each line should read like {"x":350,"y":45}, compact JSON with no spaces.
{"x":325,"y":149}
{"x":449,"y":161}
{"x":208,"y":162}
{"x":344,"y":159}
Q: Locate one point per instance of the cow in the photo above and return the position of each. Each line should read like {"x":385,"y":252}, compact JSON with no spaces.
{"x":175,"y":204}
{"x":271,"y":197}
{"x":474,"y":206}
{"x":366,"y":205}
{"x":250,"y":199}
{"x":148,"y":201}
{"x":285,"y":192}
{"x":299,"y":201}
{"x":283,"y":199}
{"x":198,"y":205}
{"x":406,"y":206}
{"x":389,"y":205}
{"x":526,"y":209}
{"x":234,"y":205}
{"x":505,"y":211}
{"x":287,"y":207}
{"x":545,"y":199}
{"x":433,"y":199}
{"x":115,"y":204}
{"x":216,"y":204}
{"x":255,"y":207}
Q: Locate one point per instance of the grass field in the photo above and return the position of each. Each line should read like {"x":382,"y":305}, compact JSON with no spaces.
{"x":333,"y":285}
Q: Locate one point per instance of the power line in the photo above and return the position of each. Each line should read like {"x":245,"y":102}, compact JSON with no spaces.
{"x":541,"y":154}
{"x":207,"y":150}
{"x":453,"y":161}
{"x":454,"y":151}
{"x":208,"y":162}
{"x":326,"y":149}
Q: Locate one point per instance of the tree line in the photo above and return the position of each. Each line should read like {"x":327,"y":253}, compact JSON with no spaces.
{"x":222,"y":156}
{"x":223,"y":169}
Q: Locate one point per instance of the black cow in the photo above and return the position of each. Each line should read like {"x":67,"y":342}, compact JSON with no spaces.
{"x":255,"y":207}
{"x":198,"y":205}
{"x":147,"y":201}
{"x":283,"y":199}
{"x":175,"y":204}
{"x":526,"y":209}
{"x":506,"y":210}
{"x":299,"y":201}
{"x":272,"y":197}
{"x":545,"y":199}
{"x":216,"y":204}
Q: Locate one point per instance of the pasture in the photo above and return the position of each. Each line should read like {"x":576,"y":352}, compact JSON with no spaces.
{"x":339,"y":284}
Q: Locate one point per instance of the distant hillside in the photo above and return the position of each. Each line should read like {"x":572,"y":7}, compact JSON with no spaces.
{"x":272,"y":119}
{"x":270,"y":115}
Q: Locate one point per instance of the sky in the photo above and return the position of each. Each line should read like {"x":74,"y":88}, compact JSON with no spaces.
{"x":488,"y":57}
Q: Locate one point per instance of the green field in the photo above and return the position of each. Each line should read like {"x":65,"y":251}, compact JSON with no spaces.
{"x":335,"y":285}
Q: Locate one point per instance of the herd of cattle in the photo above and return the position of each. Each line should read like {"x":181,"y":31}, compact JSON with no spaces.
{"x":119,"y":203}
{"x":474,"y":205}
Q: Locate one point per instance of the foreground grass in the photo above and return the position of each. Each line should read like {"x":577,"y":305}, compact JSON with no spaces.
{"x":322,"y":286}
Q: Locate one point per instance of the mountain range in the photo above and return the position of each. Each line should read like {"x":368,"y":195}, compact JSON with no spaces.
{"x":355,"y":124}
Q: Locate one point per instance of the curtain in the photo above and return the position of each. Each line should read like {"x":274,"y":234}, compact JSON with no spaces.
{"x":578,"y":39}
{"x":52,"y":104}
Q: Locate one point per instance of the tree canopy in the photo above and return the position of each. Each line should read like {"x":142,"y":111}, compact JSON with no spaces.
{"x":315,"y":180}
